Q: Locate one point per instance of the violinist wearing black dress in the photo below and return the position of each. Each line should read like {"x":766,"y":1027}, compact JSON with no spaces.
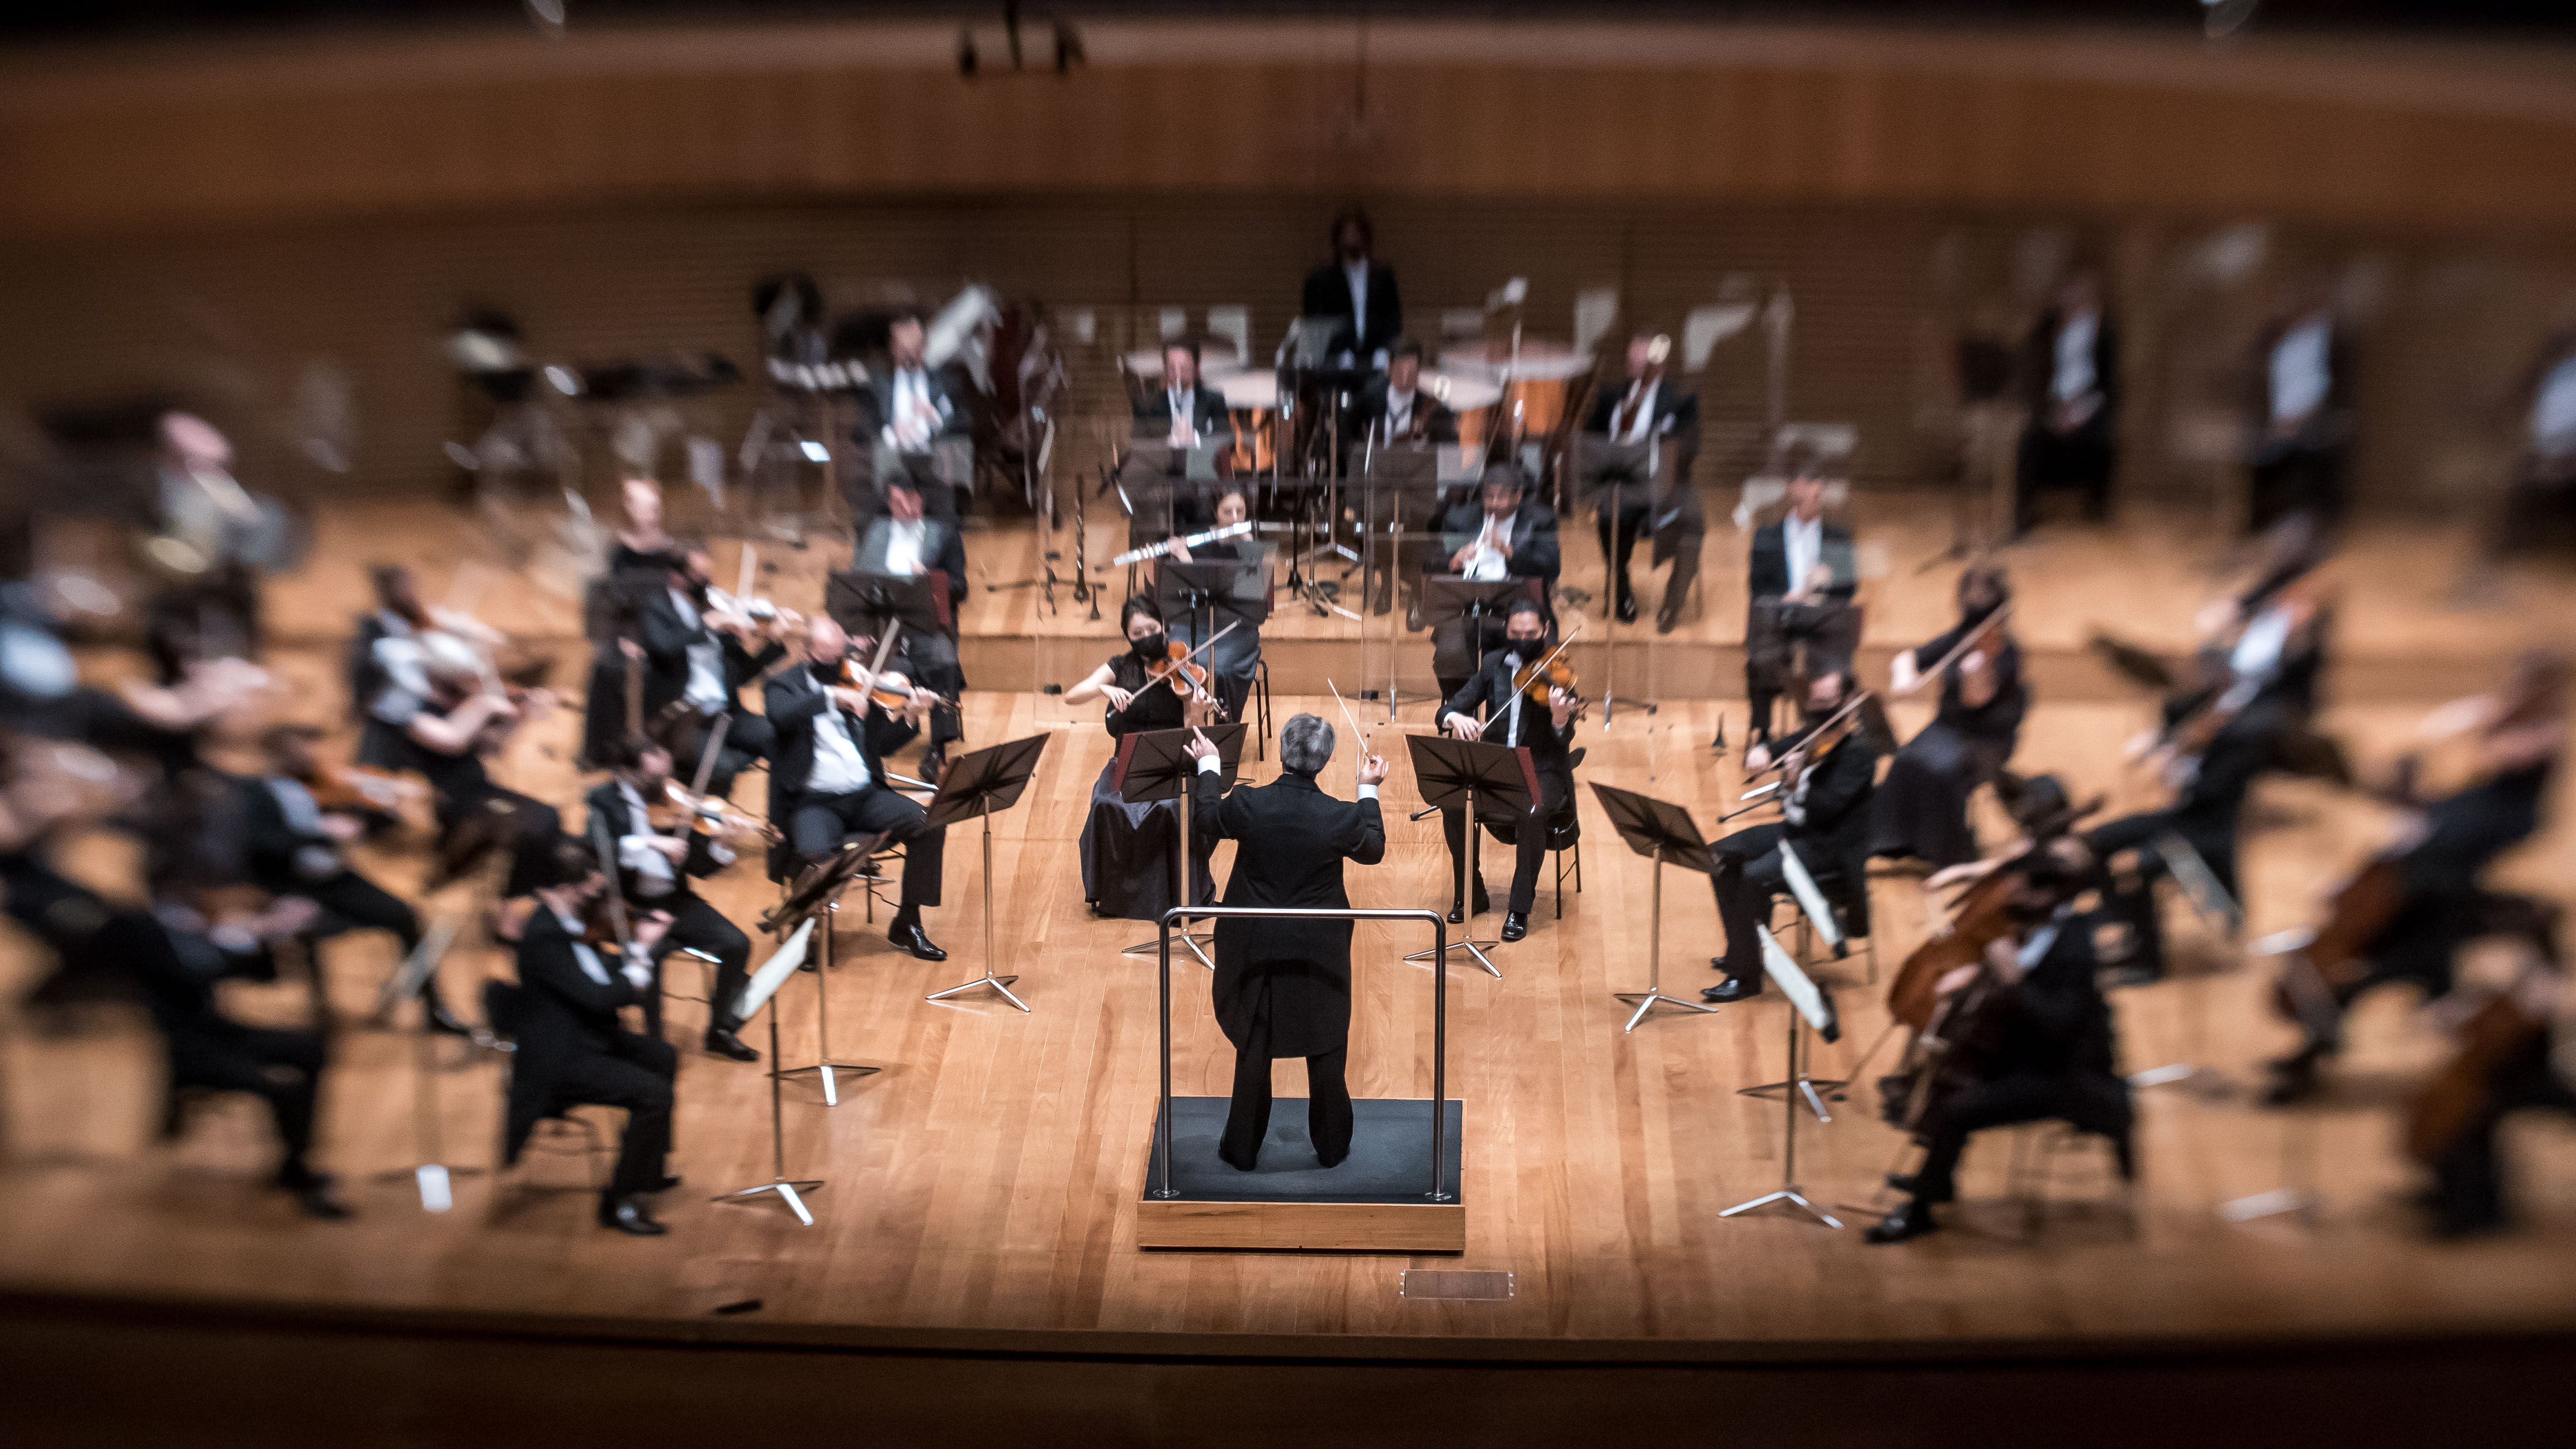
{"x":1233,"y":642}
{"x":1921,"y":809}
{"x":1489,"y":709}
{"x":1825,"y":810}
{"x":1128,"y":850}
{"x":2027,"y":1038}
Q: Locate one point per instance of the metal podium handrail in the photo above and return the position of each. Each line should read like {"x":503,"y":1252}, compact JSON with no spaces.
{"x":1439,"y":1009}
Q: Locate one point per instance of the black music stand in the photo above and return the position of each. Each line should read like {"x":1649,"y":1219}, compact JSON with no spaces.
{"x":857,"y":595}
{"x":1489,"y":782}
{"x":1154,"y":765}
{"x":1665,"y":834}
{"x":973,"y":788}
{"x":1210,"y":593}
{"x":816,"y":896}
{"x":1447,"y":597}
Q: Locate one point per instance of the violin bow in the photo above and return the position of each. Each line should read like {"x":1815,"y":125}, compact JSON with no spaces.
{"x":1346,"y":715}
{"x":606,"y":845}
{"x":1961,"y":648}
{"x":707,"y":757}
{"x":1855,"y":702}
{"x":885,"y":648}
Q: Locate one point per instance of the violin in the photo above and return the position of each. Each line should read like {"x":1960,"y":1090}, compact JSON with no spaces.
{"x":683,"y":810}
{"x":346,"y":789}
{"x":1191,"y":682}
{"x":890,"y":689}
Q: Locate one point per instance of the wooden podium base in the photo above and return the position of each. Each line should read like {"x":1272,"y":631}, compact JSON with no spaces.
{"x":1373,"y":1201}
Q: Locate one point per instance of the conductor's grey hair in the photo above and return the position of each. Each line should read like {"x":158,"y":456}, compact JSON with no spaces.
{"x":1305,"y":744}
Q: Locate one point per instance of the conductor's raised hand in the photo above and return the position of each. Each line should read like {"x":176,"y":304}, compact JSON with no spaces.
{"x":1372,"y":769}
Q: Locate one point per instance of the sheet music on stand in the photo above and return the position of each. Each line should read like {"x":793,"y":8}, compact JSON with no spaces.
{"x":1665,"y":834}
{"x":860,"y":601}
{"x":1155,"y":765}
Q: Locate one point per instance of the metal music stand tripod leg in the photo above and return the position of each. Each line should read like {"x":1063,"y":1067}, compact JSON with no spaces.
{"x":1789,"y":1191}
{"x":1654,"y":993}
{"x":1197,"y":942}
{"x":1471,"y":871}
{"x":825,"y":1069}
{"x":1799,"y":1085}
{"x":790,"y":1190}
{"x":1001,"y":984}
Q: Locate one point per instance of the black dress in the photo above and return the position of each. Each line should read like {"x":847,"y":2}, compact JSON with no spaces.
{"x":1128,"y":850}
{"x":1921,"y":809}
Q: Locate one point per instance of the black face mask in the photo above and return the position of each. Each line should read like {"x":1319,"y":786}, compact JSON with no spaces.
{"x":1149,"y":647}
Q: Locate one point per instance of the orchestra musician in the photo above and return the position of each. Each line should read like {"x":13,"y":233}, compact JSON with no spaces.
{"x":1502,"y":533}
{"x":2303,"y":391}
{"x":1802,"y":579}
{"x":2436,"y":901}
{"x":214,"y":610}
{"x":641,"y":555}
{"x":696,"y":658}
{"x":2025,"y":1036}
{"x":386,"y":682}
{"x":571,"y":1048}
{"x":828,"y":785}
{"x":2516,"y":1050}
{"x":1393,"y":410}
{"x":1235,"y":654}
{"x":906,"y":542}
{"x":2539,"y":507}
{"x":1921,"y":809}
{"x":2210,"y":783}
{"x":1283,"y":987}
{"x":913,"y":409}
{"x":2071,"y":369}
{"x":468,"y":719}
{"x":1827,"y":779}
{"x":1358,"y":289}
{"x":1127,"y":850}
{"x":1491,"y":709}
{"x":296,"y":847}
{"x":1650,"y":412}
{"x":654,"y":868}
{"x":1183,"y":412}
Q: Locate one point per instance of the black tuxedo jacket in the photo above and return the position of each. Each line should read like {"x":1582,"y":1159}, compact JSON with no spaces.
{"x":1207,"y":414}
{"x":1292,"y":976}
{"x":273,"y":843}
{"x":1770,"y":566}
{"x":666,"y":639}
{"x":794,"y":702}
{"x":1432,"y":420}
{"x":942,"y":548}
{"x":1676,"y":411}
{"x":608,"y":804}
{"x":1490,"y":691}
{"x":1834,"y":833}
{"x":1534,"y":542}
{"x":565,"y":1015}
{"x":952,"y":418}
{"x":1328,"y":294}
{"x":2039,"y":369}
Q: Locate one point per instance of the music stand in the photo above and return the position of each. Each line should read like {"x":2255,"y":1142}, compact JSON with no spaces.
{"x":919,"y":601}
{"x":1154,"y":765}
{"x":1663,"y":833}
{"x":1812,"y":1009}
{"x":973,"y":788}
{"x":1486,"y":781}
{"x":1213,"y":588}
{"x":817,"y":898}
{"x":1448,"y":596}
{"x":762,"y":989}
{"x":1597,"y":458}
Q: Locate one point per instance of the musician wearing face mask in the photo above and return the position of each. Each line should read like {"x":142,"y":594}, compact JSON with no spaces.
{"x":696,"y":658}
{"x":908,"y":543}
{"x":1828,"y":773}
{"x":1921,"y":809}
{"x":1802,"y":579}
{"x":1129,"y":851}
{"x":1233,"y":652}
{"x":1502,"y":533}
{"x":655,"y":867}
{"x":2023,"y":1036}
{"x":1490,"y":709}
{"x":1650,"y":412}
{"x":571,"y":1048}
{"x":828,"y":786}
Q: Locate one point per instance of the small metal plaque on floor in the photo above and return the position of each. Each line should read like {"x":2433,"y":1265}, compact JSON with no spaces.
{"x":1453,"y":1283}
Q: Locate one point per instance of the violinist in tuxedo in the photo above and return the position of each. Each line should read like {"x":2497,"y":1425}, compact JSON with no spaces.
{"x":1501,"y":533}
{"x":2027,"y":1037}
{"x":1356,"y":288}
{"x":1826,"y":783}
{"x":913,"y":408}
{"x":2071,"y":369}
{"x":907,"y":542}
{"x":828,"y":786}
{"x":1651,"y":412}
{"x":1283,"y":987}
{"x":1489,"y":709}
{"x":571,"y":1048}
{"x":696,"y":658}
{"x":1802,"y":580}
{"x":655,"y":868}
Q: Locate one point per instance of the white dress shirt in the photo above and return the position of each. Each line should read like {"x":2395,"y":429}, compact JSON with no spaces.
{"x":1641,"y":395}
{"x":638,"y":851}
{"x":839,"y":767}
{"x":1512,"y":711}
{"x":1356,"y":273}
{"x":1399,"y":415}
{"x":2300,"y":371}
{"x":400,"y":656}
{"x":316,"y":861}
{"x":706,"y":690}
{"x":1803,"y":540}
{"x":904,"y":546}
{"x":638,"y":973}
{"x":2553,"y":413}
{"x":2074,"y":375}
{"x":914,"y":414}
{"x":1487,"y":563}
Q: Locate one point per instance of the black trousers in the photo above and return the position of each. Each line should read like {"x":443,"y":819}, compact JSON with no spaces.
{"x":635,"y":1073}
{"x":1619,"y":534}
{"x":1529,"y":837}
{"x":696,"y":925}
{"x":1247,"y":1117}
{"x":749,"y":739}
{"x":935,"y":668}
{"x":2080,"y":460}
{"x":1748,"y":875}
{"x":2131,"y":900}
{"x":281,"y":1068}
{"x":351,"y":902}
{"x":820,"y":823}
{"x":2093,"y":1103}
{"x":1921,"y":809}
{"x":2300,"y":478}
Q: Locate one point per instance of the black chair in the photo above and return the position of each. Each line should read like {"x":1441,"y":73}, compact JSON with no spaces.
{"x":1564,"y":833}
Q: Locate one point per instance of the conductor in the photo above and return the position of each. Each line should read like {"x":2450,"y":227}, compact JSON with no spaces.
{"x":1283,"y":987}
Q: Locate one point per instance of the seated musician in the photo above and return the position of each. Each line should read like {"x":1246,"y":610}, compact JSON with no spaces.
{"x":461,"y":724}
{"x":641,"y":555}
{"x":2027,"y":1038}
{"x":1802,"y":581}
{"x":1651,"y":411}
{"x":2515,"y":1053}
{"x":696,"y":658}
{"x":1921,"y":811}
{"x":1514,"y":718}
{"x":1825,"y":804}
{"x":296,"y":848}
{"x":385,"y":681}
{"x":1502,"y":533}
{"x":828,"y":786}
{"x":654,"y":868}
{"x":1394,"y":411}
{"x":2441,"y":902}
{"x":1236,"y":653}
{"x":573,"y":1051}
{"x":1128,"y":870}
{"x":1183,"y":412}
{"x":2211,"y":778}
{"x":908,"y":543}
{"x":912,"y":407}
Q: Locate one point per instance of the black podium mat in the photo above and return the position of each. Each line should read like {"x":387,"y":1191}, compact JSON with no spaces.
{"x":1390,"y":1159}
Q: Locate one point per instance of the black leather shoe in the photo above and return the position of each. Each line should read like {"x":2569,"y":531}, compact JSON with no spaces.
{"x":314,"y":1198}
{"x":1910,"y":1221}
{"x":445,"y":1021}
{"x":909,"y":937}
{"x":1628,"y":609}
{"x":1515,"y":925}
{"x":629,"y":1216}
{"x":1733,"y":988}
{"x":934,"y":763}
{"x":1457,"y":911}
{"x":1666,"y":622}
{"x":669,"y":1180}
{"x":723,"y":1043}
{"x":1902,"y":1181}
